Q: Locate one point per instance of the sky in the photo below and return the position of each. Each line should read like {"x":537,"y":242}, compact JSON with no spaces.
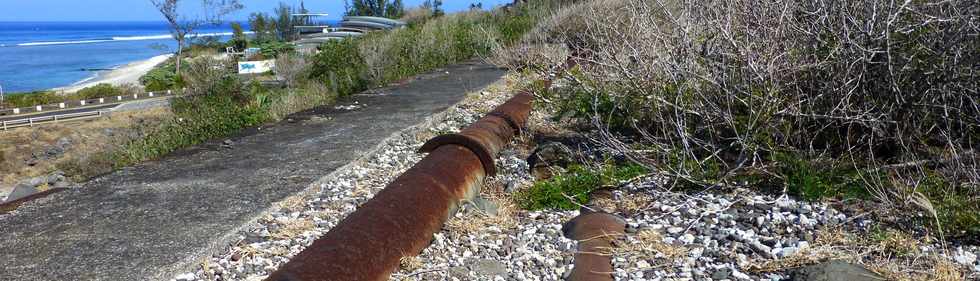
{"x":142,"y":10}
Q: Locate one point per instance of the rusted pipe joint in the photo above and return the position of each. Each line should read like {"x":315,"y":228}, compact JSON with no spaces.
{"x":485,"y":139}
{"x":515,"y":111}
{"x":470,"y":143}
{"x":595,"y":233}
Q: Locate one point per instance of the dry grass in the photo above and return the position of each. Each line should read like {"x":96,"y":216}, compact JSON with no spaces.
{"x":476,"y":221}
{"x":417,"y":15}
{"x":894,"y":255}
{"x":634,"y":203}
{"x":645,"y":245}
{"x":831,"y":243}
{"x":293,"y":228}
{"x":410,"y":263}
{"x":293,"y":203}
{"x":88,"y":139}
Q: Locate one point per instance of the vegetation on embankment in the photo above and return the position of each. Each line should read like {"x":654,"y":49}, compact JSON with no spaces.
{"x":31,"y":99}
{"x":825,"y":100}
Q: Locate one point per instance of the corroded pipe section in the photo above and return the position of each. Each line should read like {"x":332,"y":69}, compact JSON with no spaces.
{"x":485,"y":138}
{"x":515,"y":111}
{"x":399,"y":221}
{"x":402,"y":219}
{"x":491,"y":134}
{"x":595,"y":233}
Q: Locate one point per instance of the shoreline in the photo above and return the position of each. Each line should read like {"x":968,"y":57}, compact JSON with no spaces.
{"x":126,"y":74}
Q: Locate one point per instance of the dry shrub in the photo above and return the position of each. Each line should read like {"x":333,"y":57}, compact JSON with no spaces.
{"x":817,"y":96}
{"x":292,"y":68}
{"x":440,"y":41}
{"x":205,"y":75}
{"x":311,"y":94}
{"x":416,"y":15}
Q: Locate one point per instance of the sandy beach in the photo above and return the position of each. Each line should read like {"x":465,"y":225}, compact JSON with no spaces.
{"x":126,"y":74}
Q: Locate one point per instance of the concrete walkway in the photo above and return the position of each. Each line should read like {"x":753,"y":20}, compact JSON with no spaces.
{"x":155,"y":220}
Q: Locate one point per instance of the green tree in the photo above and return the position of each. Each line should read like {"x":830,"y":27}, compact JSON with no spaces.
{"x":263,"y":26}
{"x":285,"y":25}
{"x":181,"y":25}
{"x":435,"y":6}
{"x":238,"y":40}
{"x":375,"y":8}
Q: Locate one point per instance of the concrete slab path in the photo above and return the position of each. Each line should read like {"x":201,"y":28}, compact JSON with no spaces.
{"x":158,"y":219}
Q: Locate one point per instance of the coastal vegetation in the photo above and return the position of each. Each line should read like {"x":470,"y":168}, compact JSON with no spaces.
{"x":218,"y":102}
{"x":31,"y":99}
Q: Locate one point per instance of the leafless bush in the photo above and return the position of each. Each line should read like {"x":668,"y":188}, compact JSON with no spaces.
{"x":712,"y":91}
{"x":417,"y":15}
{"x":292,"y":67}
{"x":204,"y":75}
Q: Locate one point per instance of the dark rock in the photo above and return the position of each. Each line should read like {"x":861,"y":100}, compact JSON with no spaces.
{"x":547,"y":156}
{"x":482,"y":205}
{"x":834,"y":271}
{"x":22,"y":190}
{"x":488,"y":268}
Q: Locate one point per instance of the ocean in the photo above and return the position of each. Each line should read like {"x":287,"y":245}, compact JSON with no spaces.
{"x":46,"y":55}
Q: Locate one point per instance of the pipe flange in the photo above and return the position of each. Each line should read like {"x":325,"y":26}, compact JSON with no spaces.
{"x":470,"y":143}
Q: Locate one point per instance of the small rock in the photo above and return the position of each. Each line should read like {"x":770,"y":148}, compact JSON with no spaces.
{"x":965,"y":257}
{"x":722,"y":273}
{"x":185,"y":277}
{"x":485,"y":267}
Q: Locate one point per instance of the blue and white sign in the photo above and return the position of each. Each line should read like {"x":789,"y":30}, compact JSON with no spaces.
{"x":256,"y":67}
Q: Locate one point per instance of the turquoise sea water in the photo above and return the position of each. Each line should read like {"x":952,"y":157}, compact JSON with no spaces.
{"x":45,"y":55}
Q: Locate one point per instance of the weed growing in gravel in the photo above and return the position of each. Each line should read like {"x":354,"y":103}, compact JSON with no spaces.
{"x":575,"y":184}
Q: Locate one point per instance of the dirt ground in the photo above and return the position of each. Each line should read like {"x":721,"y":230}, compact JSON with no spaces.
{"x":29,"y":152}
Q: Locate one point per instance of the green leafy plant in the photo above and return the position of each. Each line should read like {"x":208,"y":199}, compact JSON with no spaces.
{"x":569,"y":190}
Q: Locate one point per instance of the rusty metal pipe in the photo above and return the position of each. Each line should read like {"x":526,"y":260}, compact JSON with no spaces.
{"x":399,"y":221}
{"x":595,"y":233}
{"x":402,"y":219}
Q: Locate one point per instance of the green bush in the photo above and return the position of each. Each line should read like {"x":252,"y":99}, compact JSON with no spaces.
{"x":577,"y":182}
{"x":31,"y":99}
{"x":271,"y":49}
{"x":98,"y":91}
{"x":340,"y":66}
{"x":197,"y":119}
{"x":161,"y":78}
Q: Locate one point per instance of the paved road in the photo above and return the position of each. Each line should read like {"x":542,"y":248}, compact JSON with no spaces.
{"x":156,"y":220}
{"x":59,"y":112}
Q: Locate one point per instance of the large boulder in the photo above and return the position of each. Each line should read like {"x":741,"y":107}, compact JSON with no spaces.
{"x":835,"y":271}
{"x":23,"y":190}
{"x":36,"y":185}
